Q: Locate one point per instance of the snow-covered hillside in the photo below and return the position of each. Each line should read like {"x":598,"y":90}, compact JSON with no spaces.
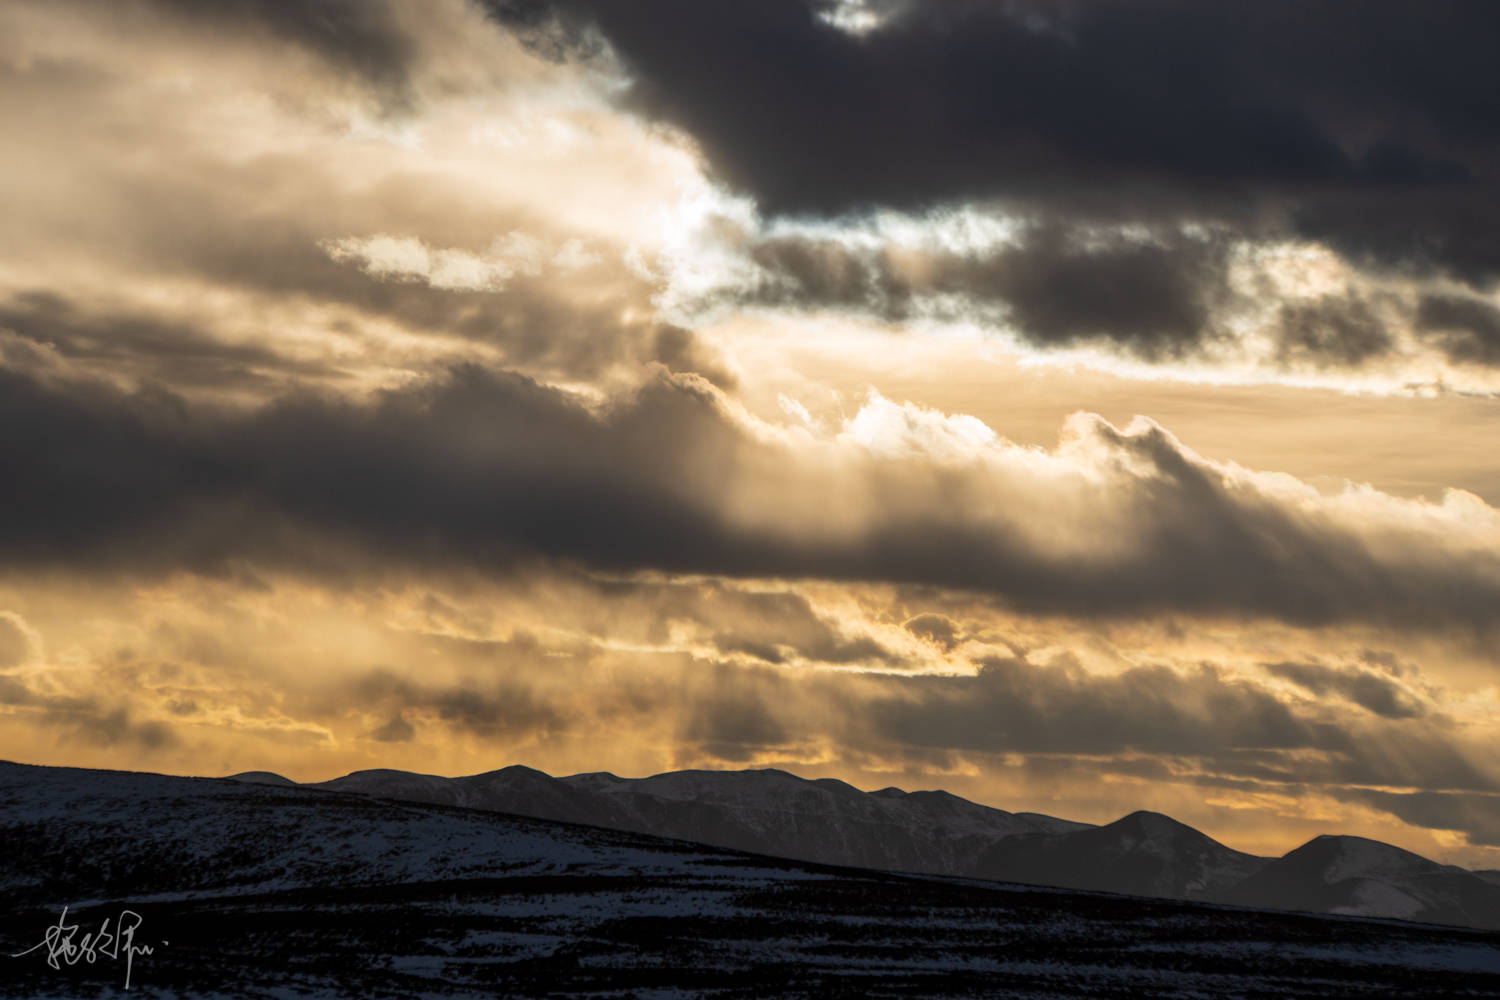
{"x":933,"y":832}
{"x":1352,"y":875}
{"x":253,"y":889}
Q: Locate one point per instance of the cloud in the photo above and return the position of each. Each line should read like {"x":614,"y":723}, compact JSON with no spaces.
{"x":1198,"y":725}
{"x":363,"y":38}
{"x":396,"y":729}
{"x":1282,"y":124}
{"x":1475,"y":815}
{"x":85,"y":718}
{"x":1373,"y":692}
{"x":1154,"y":296}
{"x":1467,"y":329}
{"x":1331,"y":330}
{"x":1200,"y":299}
{"x":499,"y":709}
{"x":15,"y":640}
{"x":1065,"y":87}
{"x":479,"y":468}
{"x":127,"y":343}
{"x":1012,"y":705}
{"x":224,"y":212}
{"x":935,"y":628}
{"x":406,"y":258}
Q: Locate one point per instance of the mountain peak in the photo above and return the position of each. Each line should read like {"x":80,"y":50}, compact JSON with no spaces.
{"x":261,"y":778}
{"x":514,"y":771}
{"x":1145,"y":817}
{"x":1146,"y":823}
{"x":1341,"y":856}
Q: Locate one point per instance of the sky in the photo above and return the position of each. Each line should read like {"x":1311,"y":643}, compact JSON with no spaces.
{"x":1081,"y":407}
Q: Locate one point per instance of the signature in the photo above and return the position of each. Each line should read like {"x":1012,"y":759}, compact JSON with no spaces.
{"x":62,"y":948}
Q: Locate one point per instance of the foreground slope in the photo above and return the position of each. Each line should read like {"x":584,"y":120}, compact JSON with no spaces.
{"x":262,"y":890}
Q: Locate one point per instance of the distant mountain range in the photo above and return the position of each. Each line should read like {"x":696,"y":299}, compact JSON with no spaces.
{"x":932,"y":832}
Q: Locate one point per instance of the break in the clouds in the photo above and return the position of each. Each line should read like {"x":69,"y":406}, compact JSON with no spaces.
{"x":454,"y":384}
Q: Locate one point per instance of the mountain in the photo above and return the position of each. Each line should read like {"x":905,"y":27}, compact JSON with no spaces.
{"x":263,"y":778}
{"x":252,"y":888}
{"x":1143,"y":854}
{"x":1359,"y":877}
{"x":515,"y":789}
{"x":766,"y":811}
{"x":828,"y":821}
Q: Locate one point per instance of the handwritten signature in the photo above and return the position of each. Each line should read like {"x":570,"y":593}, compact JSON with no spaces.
{"x":62,"y":948}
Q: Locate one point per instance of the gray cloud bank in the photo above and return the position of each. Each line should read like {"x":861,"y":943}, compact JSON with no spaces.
{"x":1194,"y":109}
{"x":1367,"y":132}
{"x":489,"y":469}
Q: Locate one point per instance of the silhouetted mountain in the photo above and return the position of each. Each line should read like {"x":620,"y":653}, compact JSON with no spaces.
{"x":1359,"y":877}
{"x":766,"y":811}
{"x":1144,"y":854}
{"x":933,"y":832}
{"x":262,"y":778}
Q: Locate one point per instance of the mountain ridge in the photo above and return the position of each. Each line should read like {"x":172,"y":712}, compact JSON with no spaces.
{"x":772,"y":812}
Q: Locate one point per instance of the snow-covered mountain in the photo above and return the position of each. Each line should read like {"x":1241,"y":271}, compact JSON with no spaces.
{"x":1359,"y":877}
{"x":766,"y":811}
{"x":1144,"y":854}
{"x":256,"y":889}
{"x":932,"y":832}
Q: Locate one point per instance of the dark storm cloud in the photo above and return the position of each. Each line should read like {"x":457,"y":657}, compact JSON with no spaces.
{"x":1331,"y":330}
{"x":935,"y":628}
{"x":1155,"y":296}
{"x":501,"y":708}
{"x":491,"y":470}
{"x":1475,"y":815}
{"x":1156,"y":299}
{"x":1011,"y":705}
{"x":1467,"y":329}
{"x":1171,"y":107}
{"x":1373,"y":692}
{"x":1202,"y":725}
{"x":776,"y":625}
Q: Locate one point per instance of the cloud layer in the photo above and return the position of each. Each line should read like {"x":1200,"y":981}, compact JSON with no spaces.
{"x":488,"y":468}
